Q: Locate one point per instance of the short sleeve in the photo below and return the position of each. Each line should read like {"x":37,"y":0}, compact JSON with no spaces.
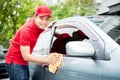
{"x":24,"y":37}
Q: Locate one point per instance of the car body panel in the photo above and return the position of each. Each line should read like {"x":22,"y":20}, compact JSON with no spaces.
{"x":111,"y":69}
{"x":86,"y":69}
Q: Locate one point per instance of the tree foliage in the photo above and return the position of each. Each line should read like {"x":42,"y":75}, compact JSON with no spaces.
{"x":74,"y":8}
{"x":14,"y":13}
{"x":12,"y":16}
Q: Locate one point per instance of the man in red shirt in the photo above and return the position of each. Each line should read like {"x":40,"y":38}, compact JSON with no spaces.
{"x":21,"y":47}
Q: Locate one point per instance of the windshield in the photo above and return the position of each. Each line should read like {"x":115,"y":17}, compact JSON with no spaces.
{"x":109,"y":24}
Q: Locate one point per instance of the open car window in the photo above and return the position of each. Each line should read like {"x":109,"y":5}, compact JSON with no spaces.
{"x":65,"y":35}
{"x":60,"y":46}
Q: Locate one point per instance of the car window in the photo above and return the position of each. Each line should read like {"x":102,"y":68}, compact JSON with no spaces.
{"x":59,"y":46}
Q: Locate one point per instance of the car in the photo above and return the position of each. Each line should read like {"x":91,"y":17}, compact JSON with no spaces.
{"x":94,"y":59}
{"x":3,"y":72}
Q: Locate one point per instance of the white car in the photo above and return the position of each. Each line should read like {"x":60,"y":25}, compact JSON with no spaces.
{"x":95,"y":59}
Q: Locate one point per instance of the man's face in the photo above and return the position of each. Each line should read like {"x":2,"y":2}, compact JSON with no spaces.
{"x":42,"y":21}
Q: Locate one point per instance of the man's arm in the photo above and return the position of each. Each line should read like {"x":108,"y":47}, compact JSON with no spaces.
{"x":25,"y":50}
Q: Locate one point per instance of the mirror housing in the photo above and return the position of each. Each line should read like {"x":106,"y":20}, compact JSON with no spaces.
{"x":80,"y":48}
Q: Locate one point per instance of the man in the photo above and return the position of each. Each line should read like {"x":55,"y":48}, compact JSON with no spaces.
{"x":21,"y":47}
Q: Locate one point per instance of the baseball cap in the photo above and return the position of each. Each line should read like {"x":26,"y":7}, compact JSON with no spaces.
{"x":43,"y":10}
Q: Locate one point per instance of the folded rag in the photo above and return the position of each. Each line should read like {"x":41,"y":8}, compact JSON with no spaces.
{"x":54,"y":67}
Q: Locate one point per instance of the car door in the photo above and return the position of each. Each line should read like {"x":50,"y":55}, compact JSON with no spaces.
{"x":76,"y":68}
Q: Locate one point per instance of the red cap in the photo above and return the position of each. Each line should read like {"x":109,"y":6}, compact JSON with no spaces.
{"x":43,"y":11}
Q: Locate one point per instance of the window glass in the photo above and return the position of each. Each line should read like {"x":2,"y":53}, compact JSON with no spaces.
{"x":109,"y":24}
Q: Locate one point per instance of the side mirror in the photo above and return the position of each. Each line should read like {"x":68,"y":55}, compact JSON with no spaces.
{"x":80,"y":48}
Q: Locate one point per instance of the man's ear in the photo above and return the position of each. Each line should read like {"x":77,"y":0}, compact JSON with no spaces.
{"x":34,"y":15}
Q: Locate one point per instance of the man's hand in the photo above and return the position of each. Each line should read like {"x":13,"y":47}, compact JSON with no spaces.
{"x":53,"y":67}
{"x":51,"y":24}
{"x":53,"y":58}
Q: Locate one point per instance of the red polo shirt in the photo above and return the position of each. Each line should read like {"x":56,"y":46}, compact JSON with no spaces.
{"x":27,"y":35}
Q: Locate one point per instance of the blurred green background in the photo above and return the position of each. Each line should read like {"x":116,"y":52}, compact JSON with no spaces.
{"x":13,"y":14}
